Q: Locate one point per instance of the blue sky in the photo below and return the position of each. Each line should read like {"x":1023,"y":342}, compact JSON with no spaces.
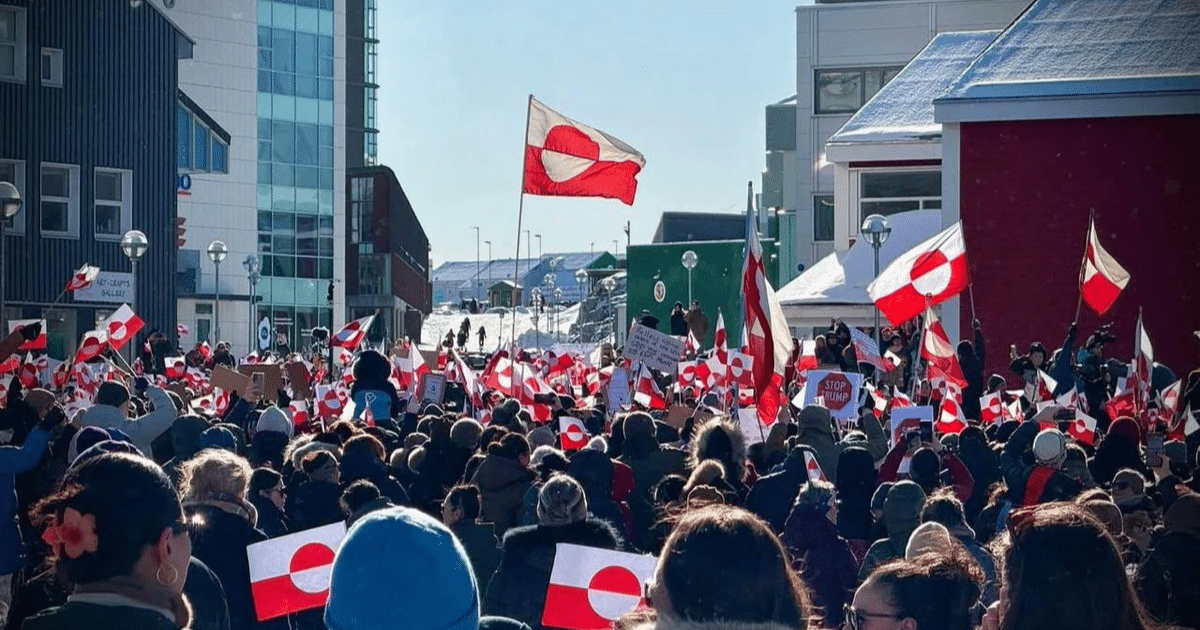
{"x":684,"y":83}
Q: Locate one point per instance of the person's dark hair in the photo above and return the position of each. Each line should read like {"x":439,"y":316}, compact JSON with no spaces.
{"x":1038,"y":347}
{"x":132,"y":501}
{"x":511,"y":446}
{"x":362,"y":445}
{"x":724,"y":564}
{"x":315,"y":461}
{"x":926,"y":469}
{"x":1064,"y":571}
{"x":944,"y":508}
{"x":111,"y":393}
{"x":263,"y":479}
{"x":358,"y":494}
{"x":465,"y":497}
{"x":937,"y":589}
{"x":668,"y":489}
{"x":491,"y":433}
{"x":344,"y":430}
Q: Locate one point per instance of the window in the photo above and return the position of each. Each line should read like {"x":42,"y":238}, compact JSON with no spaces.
{"x":12,"y":44}
{"x":52,"y":67}
{"x":183,"y":137}
{"x":823,"y":218}
{"x":220,"y":156}
{"x":13,"y":172}
{"x":200,"y":155}
{"x":889,"y":192}
{"x":844,"y":90}
{"x":60,"y":200}
{"x":112,"y":193}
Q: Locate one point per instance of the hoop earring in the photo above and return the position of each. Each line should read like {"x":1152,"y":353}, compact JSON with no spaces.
{"x":159,"y":578}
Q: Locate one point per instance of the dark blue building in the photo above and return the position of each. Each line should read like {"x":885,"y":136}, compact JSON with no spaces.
{"x":88,"y":104}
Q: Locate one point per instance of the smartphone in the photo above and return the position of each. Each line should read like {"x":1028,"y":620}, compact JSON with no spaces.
{"x":1154,"y":448}
{"x":257,"y":380}
{"x":927,"y":431}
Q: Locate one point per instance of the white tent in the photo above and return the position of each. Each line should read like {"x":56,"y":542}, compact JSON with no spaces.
{"x":836,"y":286}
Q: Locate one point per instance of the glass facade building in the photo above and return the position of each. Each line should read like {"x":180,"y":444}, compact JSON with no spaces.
{"x":296,"y":163}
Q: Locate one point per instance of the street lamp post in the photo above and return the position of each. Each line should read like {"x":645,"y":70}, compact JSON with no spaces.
{"x":134,"y":245}
{"x":216,"y":253}
{"x":876,"y":229}
{"x":488,"y":289}
{"x":252,"y":266}
{"x":10,"y":205}
{"x":536,"y":301}
{"x":609,"y":286}
{"x":581,"y":276}
{"x":689,"y":261}
{"x":539,"y":238}
{"x":477,"y":280}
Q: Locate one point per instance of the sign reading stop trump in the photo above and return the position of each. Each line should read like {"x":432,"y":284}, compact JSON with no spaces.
{"x":838,"y":390}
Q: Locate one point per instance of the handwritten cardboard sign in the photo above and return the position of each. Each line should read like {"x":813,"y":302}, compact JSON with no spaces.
{"x":656,"y":350}
{"x":272,"y":378}
{"x":299,"y":377}
{"x":617,"y":395}
{"x":229,"y":380}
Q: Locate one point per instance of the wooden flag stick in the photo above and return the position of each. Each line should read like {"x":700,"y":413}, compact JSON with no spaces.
{"x":1083,"y":265}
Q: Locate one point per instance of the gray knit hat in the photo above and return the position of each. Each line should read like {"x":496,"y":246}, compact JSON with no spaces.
{"x":561,"y":502}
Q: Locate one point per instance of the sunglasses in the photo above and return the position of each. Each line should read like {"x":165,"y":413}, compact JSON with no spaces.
{"x":854,"y":619}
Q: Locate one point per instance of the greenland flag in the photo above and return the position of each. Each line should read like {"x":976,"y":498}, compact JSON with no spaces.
{"x":936,"y":268}
{"x":1102,"y":278}
{"x":122,"y":326}
{"x":291,"y":573}
{"x":813,"y":468}
{"x":590,"y":588}
{"x":91,"y":346}
{"x":565,"y":158}
{"x":39,"y":342}
{"x":572,"y":432}
{"x":352,"y":333}
{"x":937,"y":349}
{"x":1083,"y":428}
{"x":83,"y":278}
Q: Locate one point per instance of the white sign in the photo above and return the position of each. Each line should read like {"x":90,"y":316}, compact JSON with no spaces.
{"x":752,"y":427}
{"x":616,"y":394}
{"x":905,"y":419}
{"x":659,"y":351}
{"x":110,"y":286}
{"x":836,"y":391}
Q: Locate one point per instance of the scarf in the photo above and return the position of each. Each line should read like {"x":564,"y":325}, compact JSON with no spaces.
{"x":139,"y":595}
{"x":231,"y":505}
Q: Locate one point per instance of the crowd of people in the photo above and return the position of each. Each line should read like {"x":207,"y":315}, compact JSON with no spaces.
{"x":135,"y":511}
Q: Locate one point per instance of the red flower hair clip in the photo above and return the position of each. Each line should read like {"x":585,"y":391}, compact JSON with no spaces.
{"x":72,"y":535}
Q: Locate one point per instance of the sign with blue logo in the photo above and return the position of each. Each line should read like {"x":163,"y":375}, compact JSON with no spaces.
{"x":184,"y":186}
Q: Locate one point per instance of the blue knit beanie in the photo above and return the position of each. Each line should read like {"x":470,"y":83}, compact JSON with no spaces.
{"x":399,"y":569}
{"x":218,"y":437}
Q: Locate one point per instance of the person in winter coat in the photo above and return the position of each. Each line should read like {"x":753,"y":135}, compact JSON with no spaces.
{"x":722,"y":440}
{"x":772,"y":495}
{"x":215,"y":483}
{"x":816,"y":430}
{"x":111,"y":408}
{"x":1119,"y":448}
{"x":984,"y":465}
{"x":944,"y":508}
{"x":1040,"y":480}
{"x":679,"y":327}
{"x":972,"y":357}
{"x":594,"y":471}
{"x":460,"y":512}
{"x":502,"y":478}
{"x":650,"y":462}
{"x":1168,"y":580}
{"x":938,"y":590}
{"x":362,"y":458}
{"x":855,"y":486}
{"x":723,"y":569}
{"x":518,"y":588}
{"x":901,"y":514}
{"x":15,"y":460}
{"x":185,"y":442}
{"x":268,"y":496}
{"x":697,"y":321}
{"x":818,"y":553}
{"x":931,"y":466}
{"x":118,"y":537}
{"x":371,"y":388}
{"x":314,"y":501}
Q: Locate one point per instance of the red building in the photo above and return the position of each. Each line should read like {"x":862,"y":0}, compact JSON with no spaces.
{"x":1080,"y":106}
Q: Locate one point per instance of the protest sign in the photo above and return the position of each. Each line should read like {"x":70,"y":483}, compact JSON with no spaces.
{"x":298,"y":376}
{"x":906,"y":419}
{"x":837,"y":390}
{"x":752,"y":427}
{"x":616,"y":394}
{"x":656,"y":350}
{"x":272,"y":375}
{"x":229,"y":380}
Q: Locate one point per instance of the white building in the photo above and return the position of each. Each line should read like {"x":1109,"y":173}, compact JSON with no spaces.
{"x":845,"y":52}
{"x":271,"y":73}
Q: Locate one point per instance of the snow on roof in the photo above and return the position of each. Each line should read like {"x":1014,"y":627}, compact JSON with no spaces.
{"x":1068,"y":47}
{"x":902,"y":111}
{"x":842,"y":277}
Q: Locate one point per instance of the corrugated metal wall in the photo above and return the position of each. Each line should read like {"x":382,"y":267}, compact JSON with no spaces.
{"x":115,"y":110}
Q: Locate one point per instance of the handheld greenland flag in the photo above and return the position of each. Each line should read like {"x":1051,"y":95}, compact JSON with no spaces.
{"x":291,"y":573}
{"x":813,"y":468}
{"x":353,"y":333}
{"x":935,"y":269}
{"x":937,"y":349}
{"x":766,"y":333}
{"x":572,"y":432}
{"x":91,"y":346}
{"x":122,"y":326}
{"x":1143,"y":367}
{"x":83,"y":278}
{"x":1102,"y":278}
{"x":37,"y":343}
{"x":590,"y":588}
{"x":565,"y":158}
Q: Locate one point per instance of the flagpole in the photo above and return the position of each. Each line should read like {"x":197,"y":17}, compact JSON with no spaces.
{"x":971,"y":295}
{"x":520,"y":216}
{"x":1086,"y":242}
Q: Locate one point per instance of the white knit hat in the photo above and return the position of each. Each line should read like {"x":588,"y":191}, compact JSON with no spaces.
{"x":274,"y":419}
{"x":1050,"y":447}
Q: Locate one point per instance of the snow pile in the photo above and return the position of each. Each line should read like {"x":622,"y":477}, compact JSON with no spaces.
{"x":499,"y":328}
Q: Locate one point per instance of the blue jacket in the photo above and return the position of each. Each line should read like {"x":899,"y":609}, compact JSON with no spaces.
{"x":14,"y":461}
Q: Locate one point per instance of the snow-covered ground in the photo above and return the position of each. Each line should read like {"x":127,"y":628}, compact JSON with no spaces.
{"x":500,"y":328}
